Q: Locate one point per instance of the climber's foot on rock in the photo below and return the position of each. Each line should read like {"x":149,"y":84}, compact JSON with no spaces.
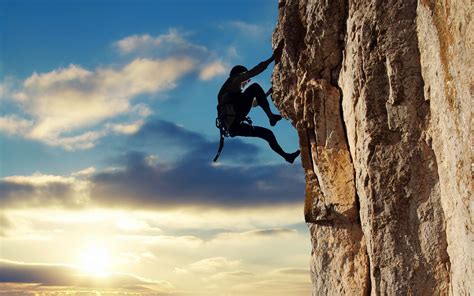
{"x":290,"y":157}
{"x":274,"y":119}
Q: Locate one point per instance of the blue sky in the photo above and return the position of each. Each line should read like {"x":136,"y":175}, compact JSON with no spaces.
{"x":106,"y":140}
{"x":46,"y":36}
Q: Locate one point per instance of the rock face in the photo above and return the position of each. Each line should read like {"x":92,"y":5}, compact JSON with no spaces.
{"x":380,"y":94}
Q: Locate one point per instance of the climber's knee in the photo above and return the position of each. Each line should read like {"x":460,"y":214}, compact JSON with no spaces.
{"x":255,"y":89}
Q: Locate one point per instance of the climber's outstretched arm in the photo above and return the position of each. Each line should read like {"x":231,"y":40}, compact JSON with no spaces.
{"x":260,"y":67}
{"x":239,"y":78}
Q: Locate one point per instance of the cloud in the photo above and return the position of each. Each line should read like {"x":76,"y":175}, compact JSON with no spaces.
{"x":290,"y":271}
{"x":232,"y":52}
{"x":5,"y":224}
{"x":171,"y":139}
{"x":41,"y":190}
{"x":212,"y":70}
{"x":247,"y":28}
{"x":194,"y":182}
{"x":64,"y":107}
{"x":209,"y":266}
{"x":272,"y":287}
{"x":74,"y":107}
{"x":231,"y":237}
{"x":198,"y":261}
{"x":165,"y":241}
{"x":161,"y":131}
{"x":134,"y":42}
{"x":269,"y":232}
{"x":231,"y":275}
{"x":7,"y":84}
{"x":12,"y":125}
{"x":56,"y":275}
{"x":171,"y":43}
{"x":69,"y":100}
{"x":138,"y":182}
{"x":127,"y":128}
{"x":82,"y":141}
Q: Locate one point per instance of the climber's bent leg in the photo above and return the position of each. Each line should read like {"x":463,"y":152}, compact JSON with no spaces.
{"x":246,"y":130}
{"x":257,"y":92}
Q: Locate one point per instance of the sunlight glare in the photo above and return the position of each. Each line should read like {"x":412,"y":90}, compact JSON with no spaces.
{"x":95,"y":260}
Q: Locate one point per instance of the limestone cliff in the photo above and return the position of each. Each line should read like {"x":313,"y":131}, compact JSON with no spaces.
{"x":380,"y":94}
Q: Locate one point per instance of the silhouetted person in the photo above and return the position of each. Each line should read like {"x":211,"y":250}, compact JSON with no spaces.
{"x":235,"y":104}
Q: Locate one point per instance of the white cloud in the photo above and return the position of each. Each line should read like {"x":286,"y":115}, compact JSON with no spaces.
{"x":165,"y":241}
{"x":212,"y":70}
{"x":232,"y":52}
{"x":6,"y":86}
{"x":13,"y":124}
{"x":131,"y":43}
{"x":232,"y":275}
{"x":73,"y":97}
{"x":67,"y":104}
{"x":241,"y":219}
{"x":210,"y":265}
{"x":38,"y":179}
{"x":126,"y":129}
{"x":128,"y":258}
{"x":5,"y":224}
{"x":82,"y":141}
{"x":172,"y":42}
{"x":247,"y":28}
{"x":86,"y":173}
{"x":130,"y":224}
{"x":142,"y":110}
{"x":74,"y":107}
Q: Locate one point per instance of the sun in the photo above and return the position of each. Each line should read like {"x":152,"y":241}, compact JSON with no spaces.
{"x":94,"y":260}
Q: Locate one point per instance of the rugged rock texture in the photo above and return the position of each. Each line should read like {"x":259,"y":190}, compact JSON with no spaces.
{"x":380,"y":94}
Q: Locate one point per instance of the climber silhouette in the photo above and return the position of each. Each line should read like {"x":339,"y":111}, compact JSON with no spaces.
{"x":234,"y":105}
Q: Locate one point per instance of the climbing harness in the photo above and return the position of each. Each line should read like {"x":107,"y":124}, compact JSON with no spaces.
{"x":223,"y":123}
{"x":225,"y":118}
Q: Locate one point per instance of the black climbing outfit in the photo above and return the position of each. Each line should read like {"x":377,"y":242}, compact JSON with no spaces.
{"x":242,"y":104}
{"x":234,"y":105}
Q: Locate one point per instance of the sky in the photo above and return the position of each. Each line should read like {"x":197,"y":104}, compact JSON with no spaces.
{"x":107,"y":135}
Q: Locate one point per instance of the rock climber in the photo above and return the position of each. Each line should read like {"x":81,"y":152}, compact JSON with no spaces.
{"x":234,"y":105}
